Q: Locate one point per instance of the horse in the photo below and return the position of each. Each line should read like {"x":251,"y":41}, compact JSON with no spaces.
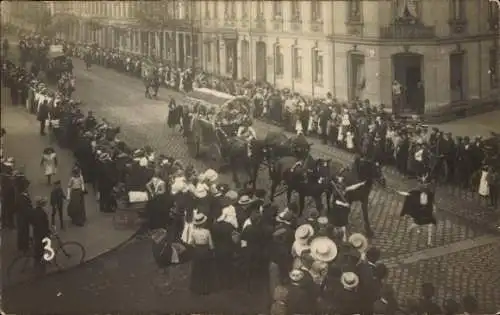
{"x":309,"y":177}
{"x":152,"y":81}
{"x":236,"y":153}
{"x":362,"y":170}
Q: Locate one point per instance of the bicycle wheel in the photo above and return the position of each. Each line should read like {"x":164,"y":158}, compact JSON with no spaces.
{"x":21,"y":269}
{"x":69,"y":254}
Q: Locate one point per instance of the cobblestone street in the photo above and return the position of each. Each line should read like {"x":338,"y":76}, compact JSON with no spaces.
{"x":465,"y":256}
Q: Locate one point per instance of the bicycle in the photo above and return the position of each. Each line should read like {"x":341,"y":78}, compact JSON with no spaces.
{"x":66,"y":254}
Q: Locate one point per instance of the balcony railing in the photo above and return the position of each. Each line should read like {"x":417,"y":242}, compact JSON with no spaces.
{"x":316,"y":26}
{"x":277,"y":23}
{"x":457,"y":26}
{"x":296,"y":25}
{"x":259,"y":24}
{"x":406,"y":29}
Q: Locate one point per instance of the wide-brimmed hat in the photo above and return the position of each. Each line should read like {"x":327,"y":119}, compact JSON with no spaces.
{"x":359,"y":242}
{"x":296,"y":275}
{"x":244,"y":200}
{"x":211,"y":175}
{"x":322,"y":220}
{"x":349,"y":280}
{"x":199,"y":218}
{"x":200,"y":192}
{"x":231,"y":195}
{"x":323,"y":249}
{"x":304,"y":232}
{"x":178,"y":186}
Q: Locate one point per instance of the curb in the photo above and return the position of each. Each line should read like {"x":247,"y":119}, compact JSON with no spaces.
{"x":56,"y":272}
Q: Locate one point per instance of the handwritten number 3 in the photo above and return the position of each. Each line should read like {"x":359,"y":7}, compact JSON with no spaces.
{"x":48,"y":250}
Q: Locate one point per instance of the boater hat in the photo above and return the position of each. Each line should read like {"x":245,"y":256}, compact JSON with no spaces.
{"x":323,"y":249}
{"x":359,"y":242}
{"x":199,"y":218}
{"x":349,"y":280}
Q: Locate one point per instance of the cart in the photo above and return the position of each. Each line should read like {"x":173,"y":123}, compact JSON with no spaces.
{"x":129,"y":215}
{"x":208,"y":134}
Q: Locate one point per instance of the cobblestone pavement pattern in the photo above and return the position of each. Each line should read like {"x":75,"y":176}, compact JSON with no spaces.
{"x":128,"y":280}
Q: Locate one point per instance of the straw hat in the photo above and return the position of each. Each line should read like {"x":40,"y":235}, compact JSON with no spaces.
{"x":211,"y":175}
{"x":304,"y":232}
{"x":296,"y":275}
{"x":199,"y":218}
{"x":322,"y":220}
{"x":323,"y":249}
{"x":232,"y":195}
{"x":178,"y":186}
{"x":285,"y":217}
{"x":359,"y":242}
{"x":349,"y":280}
{"x":244,"y":200}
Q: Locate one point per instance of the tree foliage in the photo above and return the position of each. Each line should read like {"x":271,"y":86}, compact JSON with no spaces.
{"x":36,"y":14}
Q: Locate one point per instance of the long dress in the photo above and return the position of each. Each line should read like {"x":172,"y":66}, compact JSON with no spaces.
{"x":49,"y":163}
{"x":419,"y":205}
{"x":484,"y":188}
{"x":76,"y":205}
{"x":201,"y":266}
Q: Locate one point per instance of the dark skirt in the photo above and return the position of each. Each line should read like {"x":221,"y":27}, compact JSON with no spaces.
{"x":201,"y":270}
{"x":339,"y":216}
{"x":76,"y":207}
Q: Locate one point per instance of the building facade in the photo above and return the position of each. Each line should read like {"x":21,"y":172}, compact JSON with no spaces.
{"x":439,"y":51}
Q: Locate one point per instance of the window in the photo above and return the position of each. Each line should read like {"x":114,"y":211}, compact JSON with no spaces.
{"x":215,"y":10}
{"x":278,"y":61}
{"x":226,"y":10}
{"x":260,"y":9}
{"x":232,"y":8}
{"x":187,"y":38}
{"x":208,"y":52}
{"x":457,"y":9}
{"x":493,"y":71}
{"x":207,"y":10}
{"x":277,"y":10}
{"x":245,"y":10}
{"x":195,"y":46}
{"x":297,"y":63}
{"x":317,"y":62}
{"x":316,"y":14}
{"x":295,"y":9}
{"x":354,"y":10}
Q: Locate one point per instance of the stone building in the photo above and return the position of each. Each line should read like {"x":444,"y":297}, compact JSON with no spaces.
{"x":439,"y":51}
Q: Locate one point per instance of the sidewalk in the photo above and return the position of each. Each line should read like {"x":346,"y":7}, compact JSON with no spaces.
{"x":24,"y":143}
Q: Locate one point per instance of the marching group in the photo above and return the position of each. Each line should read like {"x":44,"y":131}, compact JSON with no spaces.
{"x":230,"y":237}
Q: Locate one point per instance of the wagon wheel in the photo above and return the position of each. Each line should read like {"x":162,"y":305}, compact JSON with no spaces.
{"x":214,"y":157}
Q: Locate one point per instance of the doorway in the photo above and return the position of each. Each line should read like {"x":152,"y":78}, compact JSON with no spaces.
{"x":245,"y":59}
{"x":356,"y":75}
{"x":180,"y":58}
{"x":261,"y":61}
{"x":231,"y":58}
{"x":456,"y":77}
{"x":407,"y":71}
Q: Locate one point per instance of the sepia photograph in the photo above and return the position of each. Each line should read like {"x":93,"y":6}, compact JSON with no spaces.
{"x":250,"y":157}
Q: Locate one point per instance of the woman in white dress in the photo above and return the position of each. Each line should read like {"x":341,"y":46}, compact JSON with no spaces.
{"x":49,"y":163}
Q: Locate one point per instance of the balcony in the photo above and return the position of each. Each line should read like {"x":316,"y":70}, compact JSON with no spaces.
{"x":457,"y":26}
{"x":407,"y":29}
{"x":316,"y":26}
{"x":277,"y":23}
{"x":296,"y":25}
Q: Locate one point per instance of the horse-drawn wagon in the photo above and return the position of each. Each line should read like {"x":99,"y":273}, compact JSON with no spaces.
{"x":213,"y":126}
